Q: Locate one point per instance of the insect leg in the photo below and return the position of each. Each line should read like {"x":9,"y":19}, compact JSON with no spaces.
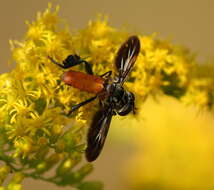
{"x":73,"y":60}
{"x":107,"y":74}
{"x":56,"y":63}
{"x":88,"y":67}
{"x":75,"y":107}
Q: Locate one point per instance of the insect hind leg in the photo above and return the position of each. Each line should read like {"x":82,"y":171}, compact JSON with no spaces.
{"x":56,"y":63}
{"x":73,"y":60}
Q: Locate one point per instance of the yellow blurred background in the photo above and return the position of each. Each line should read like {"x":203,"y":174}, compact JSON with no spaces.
{"x":173,"y":147}
{"x":168,"y":146}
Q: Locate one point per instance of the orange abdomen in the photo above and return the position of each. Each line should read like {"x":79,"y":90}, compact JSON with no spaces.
{"x":84,"y":82}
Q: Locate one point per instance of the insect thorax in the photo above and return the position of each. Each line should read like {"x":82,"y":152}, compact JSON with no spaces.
{"x":120,"y":99}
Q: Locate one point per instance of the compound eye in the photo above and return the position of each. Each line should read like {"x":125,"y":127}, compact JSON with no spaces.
{"x":128,"y":105}
{"x":126,"y":109}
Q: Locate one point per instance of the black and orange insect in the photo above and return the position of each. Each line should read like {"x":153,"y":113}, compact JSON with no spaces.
{"x":114,"y":99}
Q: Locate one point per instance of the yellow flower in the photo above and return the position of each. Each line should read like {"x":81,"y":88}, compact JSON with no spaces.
{"x":4,"y":172}
{"x":23,"y":145}
{"x":21,"y":107}
{"x":199,"y":92}
{"x":49,"y":18}
{"x":14,"y":186}
{"x":36,"y":32}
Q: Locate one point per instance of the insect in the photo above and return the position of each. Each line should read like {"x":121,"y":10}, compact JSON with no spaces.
{"x":114,"y":99}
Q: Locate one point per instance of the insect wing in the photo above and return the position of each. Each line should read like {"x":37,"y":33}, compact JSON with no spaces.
{"x":126,"y":56}
{"x":97,"y":133}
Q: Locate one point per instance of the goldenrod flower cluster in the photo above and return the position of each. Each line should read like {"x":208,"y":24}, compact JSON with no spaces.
{"x":200,"y":91}
{"x":36,"y":135}
{"x":35,"y":132}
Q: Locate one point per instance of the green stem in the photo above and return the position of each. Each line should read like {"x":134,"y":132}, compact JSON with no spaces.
{"x":35,"y":176}
{"x":8,"y":160}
